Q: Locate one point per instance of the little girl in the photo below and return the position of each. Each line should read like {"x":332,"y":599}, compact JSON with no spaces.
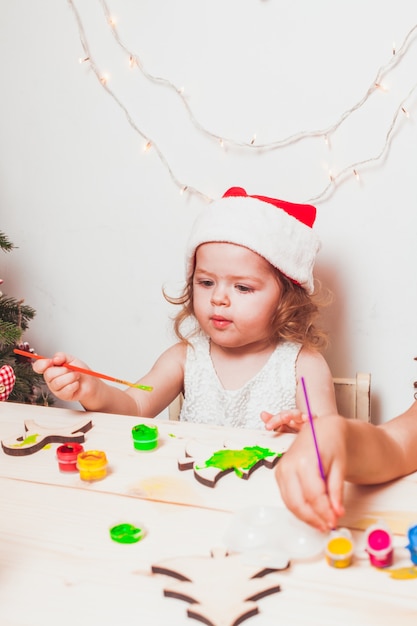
{"x":249,"y":293}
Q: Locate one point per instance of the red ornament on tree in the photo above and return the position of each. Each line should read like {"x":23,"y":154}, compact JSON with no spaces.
{"x":7,"y":381}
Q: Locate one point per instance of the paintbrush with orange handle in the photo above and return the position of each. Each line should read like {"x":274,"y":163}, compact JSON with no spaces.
{"x":82,"y":370}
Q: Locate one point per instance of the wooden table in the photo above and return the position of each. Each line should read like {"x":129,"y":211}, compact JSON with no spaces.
{"x":58,"y":565}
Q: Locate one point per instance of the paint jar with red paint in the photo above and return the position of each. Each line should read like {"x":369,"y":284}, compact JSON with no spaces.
{"x":67,"y":456}
{"x":379,"y":545}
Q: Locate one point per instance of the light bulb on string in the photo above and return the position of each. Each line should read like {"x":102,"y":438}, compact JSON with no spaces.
{"x":379,"y":82}
{"x":382,"y":87}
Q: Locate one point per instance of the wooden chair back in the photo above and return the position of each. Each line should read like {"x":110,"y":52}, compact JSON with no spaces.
{"x":353,"y":396}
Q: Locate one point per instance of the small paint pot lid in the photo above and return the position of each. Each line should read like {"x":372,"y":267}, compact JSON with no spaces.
{"x":126,"y":533}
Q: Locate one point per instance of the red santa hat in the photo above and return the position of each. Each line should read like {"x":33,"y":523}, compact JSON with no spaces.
{"x":279,"y":231}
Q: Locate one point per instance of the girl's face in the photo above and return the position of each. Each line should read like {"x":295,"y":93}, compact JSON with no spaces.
{"x":236,"y":293}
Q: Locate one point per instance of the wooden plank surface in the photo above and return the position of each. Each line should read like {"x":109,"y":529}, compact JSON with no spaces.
{"x":57,"y":560}
{"x":154,"y":475}
{"x":151,"y":475}
{"x":58,"y":563}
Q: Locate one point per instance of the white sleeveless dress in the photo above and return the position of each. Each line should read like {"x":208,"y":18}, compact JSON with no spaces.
{"x":272,"y":389}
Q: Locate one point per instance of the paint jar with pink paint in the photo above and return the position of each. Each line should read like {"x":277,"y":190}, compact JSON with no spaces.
{"x":379,"y":545}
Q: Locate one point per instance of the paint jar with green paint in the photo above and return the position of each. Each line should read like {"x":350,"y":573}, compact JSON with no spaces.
{"x":145,"y":437}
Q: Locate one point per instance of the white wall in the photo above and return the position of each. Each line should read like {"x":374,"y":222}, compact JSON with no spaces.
{"x":100,"y":224}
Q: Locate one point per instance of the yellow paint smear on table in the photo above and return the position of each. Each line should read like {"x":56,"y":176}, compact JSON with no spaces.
{"x":402,"y":573}
{"x":167,"y":488}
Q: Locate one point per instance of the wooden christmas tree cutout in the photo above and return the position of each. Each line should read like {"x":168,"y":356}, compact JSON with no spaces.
{"x":210,"y":464}
{"x":222,"y":590}
{"x":36,"y":437}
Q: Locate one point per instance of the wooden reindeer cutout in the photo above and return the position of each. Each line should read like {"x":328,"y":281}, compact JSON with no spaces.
{"x":36,"y":437}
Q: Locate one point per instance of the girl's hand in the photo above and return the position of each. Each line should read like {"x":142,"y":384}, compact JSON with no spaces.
{"x":66,"y":384}
{"x":284,"y":422}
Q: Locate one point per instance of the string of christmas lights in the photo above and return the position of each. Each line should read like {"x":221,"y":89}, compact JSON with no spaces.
{"x":377,"y":84}
{"x":103,"y":79}
{"x":353,"y":168}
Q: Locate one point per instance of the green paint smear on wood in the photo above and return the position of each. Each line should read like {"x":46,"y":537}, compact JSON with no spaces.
{"x":238,"y":460}
{"x":29,"y":440}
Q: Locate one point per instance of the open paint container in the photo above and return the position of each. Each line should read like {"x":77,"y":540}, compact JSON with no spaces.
{"x":67,"y":456}
{"x":379,"y":545}
{"x":339,"y":548}
{"x":145,"y":437}
{"x":92,"y":465}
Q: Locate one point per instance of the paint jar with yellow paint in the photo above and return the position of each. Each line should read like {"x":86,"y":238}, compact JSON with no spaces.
{"x":339,"y":548}
{"x":92,"y":465}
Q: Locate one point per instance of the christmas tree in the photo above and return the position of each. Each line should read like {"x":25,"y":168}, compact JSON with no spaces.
{"x":18,"y":381}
